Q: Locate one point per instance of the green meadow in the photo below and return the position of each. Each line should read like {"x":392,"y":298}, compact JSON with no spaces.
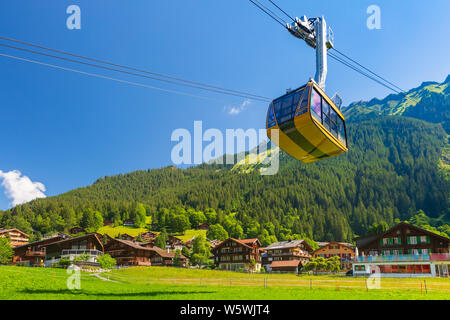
{"x":20,"y":283}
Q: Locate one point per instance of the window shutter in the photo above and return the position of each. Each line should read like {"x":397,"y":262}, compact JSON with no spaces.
{"x":418,"y":239}
{"x":408,"y":240}
{"x":381,"y":242}
{"x":399,"y":240}
{"x":409,"y":251}
{"x":428,"y":239}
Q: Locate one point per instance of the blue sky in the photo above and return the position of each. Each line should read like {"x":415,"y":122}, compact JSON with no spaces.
{"x":66,"y":130}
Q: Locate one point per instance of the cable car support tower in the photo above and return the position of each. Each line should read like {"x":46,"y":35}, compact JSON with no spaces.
{"x":315,"y":33}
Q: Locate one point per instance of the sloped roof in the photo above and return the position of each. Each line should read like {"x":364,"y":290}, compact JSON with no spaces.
{"x":287,"y":263}
{"x":159,"y":251}
{"x":13,"y":229}
{"x":288,"y":244}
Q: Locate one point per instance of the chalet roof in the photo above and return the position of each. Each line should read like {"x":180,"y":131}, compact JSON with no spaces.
{"x":36,"y":243}
{"x":245,"y":242}
{"x":368,"y":239}
{"x":86,"y":236}
{"x":289,"y":244}
{"x":287,"y":263}
{"x":159,"y":251}
{"x":13,"y":229}
{"x":285,"y":244}
{"x":346,"y":244}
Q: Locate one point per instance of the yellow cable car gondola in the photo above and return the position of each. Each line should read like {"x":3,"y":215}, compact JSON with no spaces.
{"x":310,"y":126}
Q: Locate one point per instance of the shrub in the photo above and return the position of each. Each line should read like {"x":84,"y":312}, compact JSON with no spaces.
{"x":106,"y":261}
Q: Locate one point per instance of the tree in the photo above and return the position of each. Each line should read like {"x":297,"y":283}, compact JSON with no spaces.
{"x":177,"y":258}
{"x":161,"y":240}
{"x":6,"y":252}
{"x":217,"y":232}
{"x":140,"y":215}
{"x":201,"y":251}
{"x":106,"y":261}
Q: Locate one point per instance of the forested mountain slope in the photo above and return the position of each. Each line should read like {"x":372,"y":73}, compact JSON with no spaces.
{"x":430,"y":102}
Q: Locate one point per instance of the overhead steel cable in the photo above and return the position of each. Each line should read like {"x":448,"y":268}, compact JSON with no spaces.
{"x":342,"y":54}
{"x":266,"y":12}
{"x":130,"y":73}
{"x":287,"y":15}
{"x":361,"y":72}
{"x":389,"y":85}
{"x":111,"y":78}
{"x":250,"y":95}
{"x":271,"y":11}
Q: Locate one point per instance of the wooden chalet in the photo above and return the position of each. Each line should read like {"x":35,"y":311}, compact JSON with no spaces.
{"x":128,"y":253}
{"x":77,"y":230}
{"x":74,"y":247}
{"x":174,"y":243}
{"x":345,"y":251}
{"x":233,"y":254}
{"x":404,"y":250}
{"x":128,"y":223}
{"x":34,"y":253}
{"x":125,"y":236}
{"x":298,"y":251}
{"x":148,"y":236}
{"x":15,"y":236}
{"x":203,"y":226}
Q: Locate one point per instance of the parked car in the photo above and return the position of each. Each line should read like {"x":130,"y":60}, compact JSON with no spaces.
{"x":349,"y":273}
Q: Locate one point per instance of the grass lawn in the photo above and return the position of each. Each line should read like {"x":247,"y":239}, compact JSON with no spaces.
{"x":133,"y":231}
{"x":115,"y":231}
{"x":172,"y":284}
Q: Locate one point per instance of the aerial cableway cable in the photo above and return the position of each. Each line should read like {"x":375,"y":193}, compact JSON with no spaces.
{"x":346,"y":60}
{"x":183,"y":82}
{"x":129,"y":73}
{"x":361,"y":72}
{"x":110,"y":78}
{"x":281,"y":22}
{"x":344,"y":55}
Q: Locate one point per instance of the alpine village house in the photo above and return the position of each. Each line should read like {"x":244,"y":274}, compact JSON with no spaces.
{"x":234,"y":255}
{"x":287,"y":256}
{"x":404,"y":250}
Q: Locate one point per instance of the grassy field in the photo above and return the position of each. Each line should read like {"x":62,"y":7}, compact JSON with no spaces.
{"x":133,"y":231}
{"x":172,"y":284}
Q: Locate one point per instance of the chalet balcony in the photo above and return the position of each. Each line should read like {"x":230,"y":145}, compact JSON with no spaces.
{"x":293,"y":254}
{"x":405,"y":258}
{"x":31,"y":254}
{"x":73,"y":252}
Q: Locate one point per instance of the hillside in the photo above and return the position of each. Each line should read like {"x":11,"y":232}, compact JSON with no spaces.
{"x":391,"y":171}
{"x":429,"y":102}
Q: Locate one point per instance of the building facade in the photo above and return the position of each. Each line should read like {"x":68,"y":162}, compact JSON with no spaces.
{"x":345,"y":251}
{"x":235,"y":255}
{"x":293,"y":250}
{"x":15,"y":236}
{"x":34,"y":253}
{"x":404,"y":250}
{"x":129,"y":253}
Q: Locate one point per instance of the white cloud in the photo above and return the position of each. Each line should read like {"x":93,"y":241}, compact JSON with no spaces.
{"x":238,"y":109}
{"x":20,"y":189}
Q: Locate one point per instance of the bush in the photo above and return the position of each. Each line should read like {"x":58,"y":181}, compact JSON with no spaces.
{"x":106,"y":261}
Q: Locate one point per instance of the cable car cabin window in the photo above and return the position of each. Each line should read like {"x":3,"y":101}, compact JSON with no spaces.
{"x":288,"y":107}
{"x":271,"y":117}
{"x":341,"y":129}
{"x":302,"y":108}
{"x":316,"y":109}
{"x":277,"y":107}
